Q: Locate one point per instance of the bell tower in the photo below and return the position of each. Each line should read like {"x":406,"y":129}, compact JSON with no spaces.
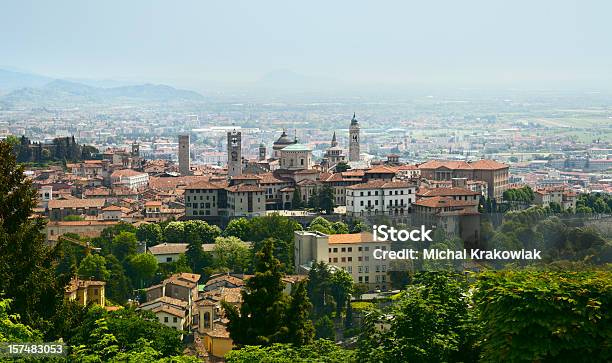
{"x":262,"y":152}
{"x":234,"y":153}
{"x":354,"y":139}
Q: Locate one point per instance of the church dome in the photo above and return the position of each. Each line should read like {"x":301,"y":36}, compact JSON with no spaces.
{"x":282,"y":141}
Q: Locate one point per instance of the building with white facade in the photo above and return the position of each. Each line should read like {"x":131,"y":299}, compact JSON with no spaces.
{"x":129,"y":178}
{"x":380,"y":197}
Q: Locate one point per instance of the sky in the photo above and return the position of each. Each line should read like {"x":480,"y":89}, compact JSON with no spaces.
{"x":369,"y":42}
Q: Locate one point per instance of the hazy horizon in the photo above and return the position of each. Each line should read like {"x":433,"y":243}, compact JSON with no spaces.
{"x":195,"y":44}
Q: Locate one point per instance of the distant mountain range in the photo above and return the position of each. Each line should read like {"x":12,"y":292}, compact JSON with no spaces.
{"x":18,"y":89}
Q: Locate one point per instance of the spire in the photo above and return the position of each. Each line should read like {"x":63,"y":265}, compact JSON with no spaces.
{"x":295,"y":140}
{"x":354,"y":120}
{"x":334,"y":137}
{"x":334,"y":143}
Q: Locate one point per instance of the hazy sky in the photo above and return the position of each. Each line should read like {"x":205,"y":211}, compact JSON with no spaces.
{"x":365,"y":41}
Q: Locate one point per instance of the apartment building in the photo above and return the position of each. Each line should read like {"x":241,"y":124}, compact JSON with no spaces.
{"x":129,"y":178}
{"x":494,"y":173}
{"x":57,"y":209}
{"x":380,"y":197}
{"x":455,"y":215}
{"x":563,"y":196}
{"x":353,"y":253}
{"x":202,"y":199}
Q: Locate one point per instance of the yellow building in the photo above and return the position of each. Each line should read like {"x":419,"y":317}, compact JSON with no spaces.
{"x":86,"y":291}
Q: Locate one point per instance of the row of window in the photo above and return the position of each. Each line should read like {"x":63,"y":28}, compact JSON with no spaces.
{"x":391,"y":192}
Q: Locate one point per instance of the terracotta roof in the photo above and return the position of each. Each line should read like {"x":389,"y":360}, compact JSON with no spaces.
{"x":188,"y":276}
{"x":381,"y":184}
{"x":112,"y":208}
{"x":152,"y":203}
{"x":76,"y":203}
{"x":407,"y":167}
{"x":350,"y":238}
{"x":81,"y":223}
{"x":166,"y":300}
{"x":381,"y":169}
{"x":269,"y":178}
{"x":126,"y":172}
{"x":246,"y":177}
{"x":244,"y":188}
{"x":168,"y":248}
{"x":203,"y":185}
{"x":170,"y":310}
{"x":488,"y":165}
{"x":441,"y":202}
{"x":462,"y":165}
{"x":229,"y":278}
{"x":447,"y":192}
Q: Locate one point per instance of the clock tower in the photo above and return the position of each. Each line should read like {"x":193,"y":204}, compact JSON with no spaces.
{"x":234,"y":153}
{"x":354,"y":140}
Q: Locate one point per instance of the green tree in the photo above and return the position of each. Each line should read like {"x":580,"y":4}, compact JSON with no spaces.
{"x":124,"y":245}
{"x":239,"y":228}
{"x":201,"y":230}
{"x":151,"y":233}
{"x":261,"y":319}
{"x":175,"y":232}
{"x":327,"y":202}
{"x":342,"y":167}
{"x":341,"y":289}
{"x":431,"y":322}
{"x":27,"y":264}
{"x":322,"y":225}
{"x":320,"y":351}
{"x":118,"y":285}
{"x":93,"y":266}
{"x":230,"y":254}
{"x":11,"y":330}
{"x":545,"y":316}
{"x":301,"y":331}
{"x":143,"y":267}
{"x":296,"y":199}
{"x":319,"y":289}
{"x":324,"y":328}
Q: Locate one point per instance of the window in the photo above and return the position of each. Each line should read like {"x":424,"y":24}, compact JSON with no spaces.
{"x":343,"y":249}
{"x":335,"y":259}
{"x":336,"y":249}
{"x":349,"y":259}
{"x":168,"y":259}
{"x":165,"y":319}
{"x":359,"y":258}
{"x":175,"y":319}
{"x":350,"y":249}
{"x":360,"y":269}
{"x":343,"y":259}
{"x":367,"y":269}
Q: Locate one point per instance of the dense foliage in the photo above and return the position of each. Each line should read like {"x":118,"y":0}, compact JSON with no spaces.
{"x":322,"y":351}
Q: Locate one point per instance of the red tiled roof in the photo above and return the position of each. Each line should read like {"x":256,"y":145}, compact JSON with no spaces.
{"x":440,"y":202}
{"x":447,"y":192}
{"x":350,"y":238}
{"x":241,"y":188}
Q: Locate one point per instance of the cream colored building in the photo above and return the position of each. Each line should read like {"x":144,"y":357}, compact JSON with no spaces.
{"x":353,"y":253}
{"x":296,"y":157}
{"x":86,"y":291}
{"x":245,"y":200}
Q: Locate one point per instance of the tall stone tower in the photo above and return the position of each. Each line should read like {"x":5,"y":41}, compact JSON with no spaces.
{"x":354,"y":140}
{"x":262,"y":152}
{"x":234,"y":153}
{"x":183,"y":156}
